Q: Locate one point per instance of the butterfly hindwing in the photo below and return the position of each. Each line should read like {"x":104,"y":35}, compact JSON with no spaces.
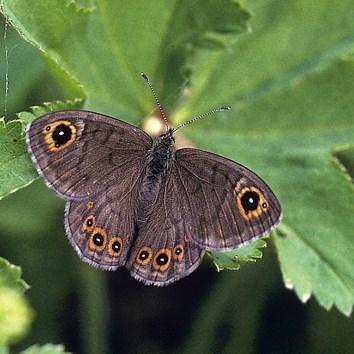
{"x":164,"y":250}
{"x":79,"y":153}
{"x":225,"y":203}
{"x":101,"y":229}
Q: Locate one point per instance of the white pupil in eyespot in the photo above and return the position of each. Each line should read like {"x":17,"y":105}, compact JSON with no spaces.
{"x":61,"y":133}
{"x":250,"y":200}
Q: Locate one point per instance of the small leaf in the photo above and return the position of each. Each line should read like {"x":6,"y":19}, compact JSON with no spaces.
{"x":16,"y":169}
{"x":10,"y":277}
{"x":95,"y":56}
{"x":45,"y":349}
{"x":27,"y":117}
{"x":232,"y":260}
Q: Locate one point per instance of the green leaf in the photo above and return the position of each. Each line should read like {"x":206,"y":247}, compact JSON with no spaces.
{"x":46,"y":107}
{"x":45,"y":349}
{"x":16,"y":171}
{"x":233,"y":260}
{"x":307,"y":275}
{"x":104,"y":56}
{"x":288,"y":41}
{"x":10,"y":277}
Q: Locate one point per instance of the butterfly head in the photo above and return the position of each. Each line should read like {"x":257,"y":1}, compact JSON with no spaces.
{"x":167,"y":138}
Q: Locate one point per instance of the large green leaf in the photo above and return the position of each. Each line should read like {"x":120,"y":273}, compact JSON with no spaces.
{"x":88,"y":46}
{"x":290,"y":82}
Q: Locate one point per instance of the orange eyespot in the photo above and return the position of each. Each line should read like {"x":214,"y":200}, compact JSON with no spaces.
{"x":251,"y":203}
{"x":89,"y":205}
{"x":89,"y":224}
{"x":178,"y":252}
{"x":98,"y":239}
{"x":162,"y":259}
{"x":59,"y":134}
{"x":144,"y":256}
{"x":115,"y":246}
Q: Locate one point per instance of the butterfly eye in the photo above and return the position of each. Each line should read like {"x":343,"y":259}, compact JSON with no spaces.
{"x":144,"y":256}
{"x":178,"y":252}
{"x":59,"y":135}
{"x":251,"y":203}
{"x":115,"y":247}
{"x":89,"y":224}
{"x":98,"y":239}
{"x":162,"y":259}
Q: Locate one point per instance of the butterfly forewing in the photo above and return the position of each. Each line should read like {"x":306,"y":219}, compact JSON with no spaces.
{"x":225,"y":204}
{"x":79,"y":153}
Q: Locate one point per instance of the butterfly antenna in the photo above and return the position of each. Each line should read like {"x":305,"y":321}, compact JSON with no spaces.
{"x":204,"y":115}
{"x":163,"y":114}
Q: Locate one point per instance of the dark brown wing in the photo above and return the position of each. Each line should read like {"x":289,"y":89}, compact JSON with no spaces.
{"x":101,"y":229}
{"x":80,"y":153}
{"x":163,"y":251}
{"x":224,"y":203}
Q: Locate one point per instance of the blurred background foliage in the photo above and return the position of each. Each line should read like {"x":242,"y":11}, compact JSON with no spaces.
{"x":287,"y":69}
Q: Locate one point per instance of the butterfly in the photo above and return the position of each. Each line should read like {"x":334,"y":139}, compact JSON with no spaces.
{"x":138,"y":202}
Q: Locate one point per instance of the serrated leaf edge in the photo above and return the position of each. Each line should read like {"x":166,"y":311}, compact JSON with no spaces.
{"x":240,"y":260}
{"x":339,"y":164}
{"x":304,"y":297}
{"x":18,"y":271}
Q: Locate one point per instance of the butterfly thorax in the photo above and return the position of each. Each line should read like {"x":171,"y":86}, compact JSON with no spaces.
{"x":157,"y":166}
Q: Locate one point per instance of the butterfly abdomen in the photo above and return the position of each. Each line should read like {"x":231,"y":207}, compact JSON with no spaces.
{"x":157,"y":165}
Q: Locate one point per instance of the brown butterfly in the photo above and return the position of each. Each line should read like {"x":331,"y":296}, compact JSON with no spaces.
{"x":137,"y":202}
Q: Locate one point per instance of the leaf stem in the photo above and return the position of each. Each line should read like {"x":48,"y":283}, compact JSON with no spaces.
{"x":94,"y":313}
